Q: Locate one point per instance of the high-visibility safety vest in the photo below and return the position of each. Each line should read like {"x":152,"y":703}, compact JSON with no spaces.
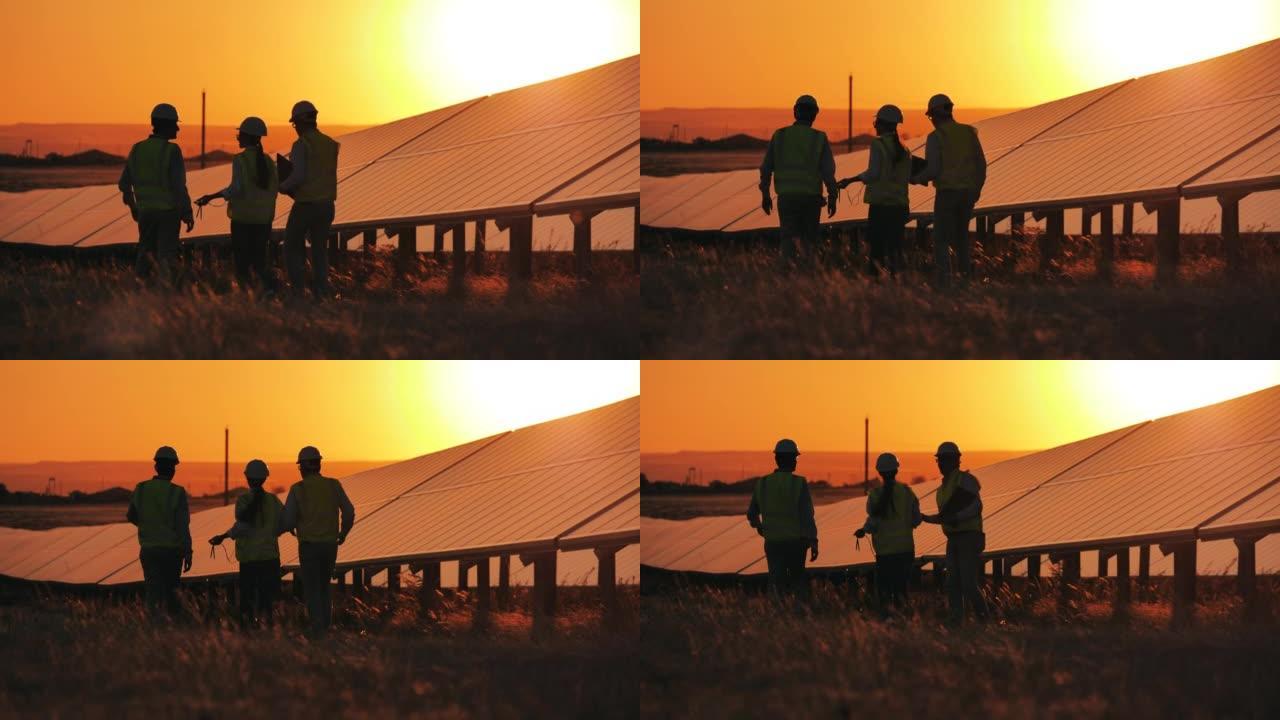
{"x":317,"y":498}
{"x":948,"y":488}
{"x":894,"y":534}
{"x":891,"y":187}
{"x":959,"y":157}
{"x":156,"y":501}
{"x":321,"y":183}
{"x":796,"y":153}
{"x":778,"y":497}
{"x":259,"y":542}
{"x":149,"y":163}
{"x":256,"y":204}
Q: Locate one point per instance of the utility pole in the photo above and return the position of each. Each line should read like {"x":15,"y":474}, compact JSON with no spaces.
{"x":850,"y":140}
{"x":866,"y":454}
{"x":226,"y":464}
{"x":202,"y":131}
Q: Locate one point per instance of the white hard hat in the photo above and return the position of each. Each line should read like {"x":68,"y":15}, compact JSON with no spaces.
{"x":786,"y":447}
{"x":308,"y":453}
{"x":889,"y":113}
{"x":809,"y":100}
{"x":164,"y":111}
{"x":256,"y":470}
{"x":939,"y":102}
{"x":164,"y":452}
{"x":947,"y":448}
{"x":303,"y":110}
{"x":253,"y":126}
{"x":887,"y":462}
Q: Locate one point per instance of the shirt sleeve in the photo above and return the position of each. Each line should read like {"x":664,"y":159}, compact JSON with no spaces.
{"x":289,"y":517}
{"x":753,"y":510}
{"x":132,"y":513}
{"x":807,"y":522}
{"x":182,"y":521}
{"x":766,"y":166}
{"x":872,"y":173}
{"x":236,"y":530}
{"x":236,"y":188}
{"x":348,"y":510}
{"x":980,"y":160}
{"x":827,"y":167}
{"x":297,"y":156}
{"x":126,"y":184}
{"x":932,"y":158}
{"x":178,"y":183}
{"x":916,"y":517}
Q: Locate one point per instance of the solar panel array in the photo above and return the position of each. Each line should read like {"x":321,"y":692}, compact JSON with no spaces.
{"x":1208,"y":473}
{"x":564,"y":485}
{"x":546,"y":149}
{"x":1106,"y":145}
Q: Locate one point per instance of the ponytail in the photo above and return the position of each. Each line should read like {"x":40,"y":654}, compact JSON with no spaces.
{"x":263,"y":168}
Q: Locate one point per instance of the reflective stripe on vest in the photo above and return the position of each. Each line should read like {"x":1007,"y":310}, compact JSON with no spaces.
{"x":959,"y":157}
{"x":796,"y":153}
{"x":948,"y":488}
{"x":317,"y":509}
{"x":778,"y":497}
{"x":157,"y":501}
{"x":321,"y":183}
{"x":257,"y":204}
{"x":259,"y":541}
{"x":894,"y":533}
{"x":891,"y":188}
{"x":149,"y":163}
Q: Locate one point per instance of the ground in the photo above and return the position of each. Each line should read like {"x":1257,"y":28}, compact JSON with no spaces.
{"x":83,"y":309}
{"x":733,"y":652}
{"x":683,"y":507}
{"x":719,"y":300}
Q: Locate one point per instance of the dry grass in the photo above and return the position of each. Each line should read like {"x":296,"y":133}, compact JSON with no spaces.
{"x":718,"y":301}
{"x":65,"y":309}
{"x":96,"y":657}
{"x":732,"y":653}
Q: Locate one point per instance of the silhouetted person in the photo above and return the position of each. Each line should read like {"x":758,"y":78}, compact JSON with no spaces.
{"x":958,"y":168}
{"x":313,"y":185}
{"x":312,"y":508}
{"x":886,"y":178}
{"x":893,"y":513}
{"x":251,"y":205}
{"x":800,"y":162}
{"x":960,"y":514}
{"x":159,"y":509}
{"x":781,"y":511}
{"x":256,"y":532}
{"x":154,"y":186}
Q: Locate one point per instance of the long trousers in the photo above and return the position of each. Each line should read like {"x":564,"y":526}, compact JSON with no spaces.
{"x":249,"y":244}
{"x":161,"y":568}
{"x":157,"y":243}
{"x":317,"y":560}
{"x":886,"y":231}
{"x":308,"y":221}
{"x":892,"y":572}
{"x":964,"y":564}
{"x":800,"y":223}
{"x":259,"y":587}
{"x":786,"y":564}
{"x":952,"y":210}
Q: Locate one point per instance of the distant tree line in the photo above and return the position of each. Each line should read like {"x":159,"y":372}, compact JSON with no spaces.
{"x":115,"y":495}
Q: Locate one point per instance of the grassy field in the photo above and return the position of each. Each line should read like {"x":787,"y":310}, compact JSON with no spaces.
{"x":61,"y":308}
{"x":43,"y":517}
{"x":67,"y":656}
{"x":718,"y":301}
{"x":729,"y":652}
{"x":683,"y":507}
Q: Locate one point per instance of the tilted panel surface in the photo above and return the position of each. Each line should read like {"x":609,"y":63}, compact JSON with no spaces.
{"x":359,"y":148}
{"x":18,"y":546}
{"x":1259,"y":164}
{"x":41,"y":202}
{"x":664,"y":543}
{"x":115,"y":547}
{"x":622,"y":518}
{"x":1260,"y":510}
{"x":41,"y":561}
{"x":618,"y":176}
{"x":86,"y":211}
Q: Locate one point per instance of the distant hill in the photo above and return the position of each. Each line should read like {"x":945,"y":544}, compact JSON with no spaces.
{"x":88,"y":157}
{"x":116,"y":139}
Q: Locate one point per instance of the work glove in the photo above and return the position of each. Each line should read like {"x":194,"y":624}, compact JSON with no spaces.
{"x":813,"y":551}
{"x":190,"y":222}
{"x":766,"y":203}
{"x":831,"y":204}
{"x":342,"y":538}
{"x":186,"y":562}
{"x":860,"y":533}
{"x":217,"y":539}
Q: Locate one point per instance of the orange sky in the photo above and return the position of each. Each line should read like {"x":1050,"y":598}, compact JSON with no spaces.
{"x":359,"y":62}
{"x":989,"y":405}
{"x":983,"y":53}
{"x":107,"y":410}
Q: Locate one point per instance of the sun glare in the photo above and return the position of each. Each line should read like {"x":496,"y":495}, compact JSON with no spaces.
{"x":1121,"y":393}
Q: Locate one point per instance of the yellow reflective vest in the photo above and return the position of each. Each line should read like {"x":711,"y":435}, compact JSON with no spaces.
{"x":959,"y":157}
{"x":149,"y":163}
{"x":256,"y":204}
{"x":156,"y":501}
{"x":317,"y":498}
{"x":797,"y":152}
{"x":894,"y":533}
{"x":257,"y":539}
{"x":891,"y":187}
{"x":777,"y":495}
{"x":321,"y":183}
{"x":948,"y":488}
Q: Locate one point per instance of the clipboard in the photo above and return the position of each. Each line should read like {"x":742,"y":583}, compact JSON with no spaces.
{"x":283,"y":167}
{"x":917,"y":164}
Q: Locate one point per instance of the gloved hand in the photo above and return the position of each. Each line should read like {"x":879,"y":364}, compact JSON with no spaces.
{"x":766,"y":203}
{"x":342,"y":538}
{"x":190,"y":221}
{"x":813,"y":551}
{"x":186,"y":562}
{"x":861,"y":533}
{"x":831,"y":204}
{"x":217,"y":539}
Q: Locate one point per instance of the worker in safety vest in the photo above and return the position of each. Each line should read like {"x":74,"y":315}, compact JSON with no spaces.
{"x":781,"y":511}
{"x":251,"y":204}
{"x":957,"y":167}
{"x":256,"y":528}
{"x":313,"y":185}
{"x":312,"y":510}
{"x":885,"y":181}
{"x":154,"y":186}
{"x":960,"y":514}
{"x":800,"y":162}
{"x":160,"y":510}
{"x":893,"y":513}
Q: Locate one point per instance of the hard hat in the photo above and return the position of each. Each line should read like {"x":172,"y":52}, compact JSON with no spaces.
{"x":303,"y":110}
{"x":164,"y":111}
{"x":889,"y":113}
{"x":256,"y":470}
{"x":938,"y":102}
{"x":786,"y":447}
{"x":253,"y":126}
{"x":308,"y":453}
{"x":887,"y":462}
{"x":807,"y":100}
{"x":166,"y":453}
{"x":947,"y":448}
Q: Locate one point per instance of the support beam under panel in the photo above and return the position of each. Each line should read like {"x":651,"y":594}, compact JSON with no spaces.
{"x":482,"y":586}
{"x":1126,"y":221}
{"x":1247,"y":574}
{"x":1184,"y":582}
{"x":1168,"y":239}
{"x":464,"y":570}
{"x":1051,"y":240}
{"x":437,"y":247}
{"x":408,"y":250}
{"x":428,"y":596}
{"x":1033,"y":566}
{"x":481,"y":226}
{"x":581,"y":243}
{"x":393,"y":579}
{"x":370,"y":240}
{"x":504,"y":582}
{"x":520,"y":256}
{"x":458,"y":269}
{"x":607,"y":578}
{"x":1232,"y":249}
{"x":1122,"y":578}
{"x":1106,"y":244}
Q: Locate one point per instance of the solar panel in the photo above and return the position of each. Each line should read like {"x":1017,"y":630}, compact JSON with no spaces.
{"x":620,"y":522}
{"x":1256,"y":166}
